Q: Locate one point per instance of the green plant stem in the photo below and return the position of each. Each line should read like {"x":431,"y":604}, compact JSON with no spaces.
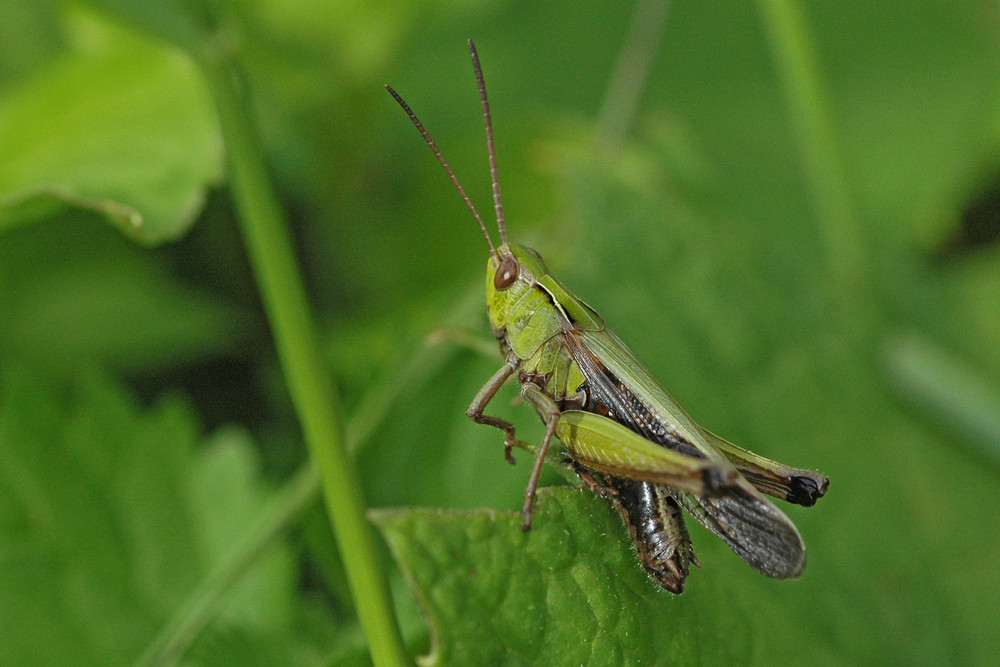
{"x":265,"y":233}
{"x":205,"y":602}
{"x":798,"y":69}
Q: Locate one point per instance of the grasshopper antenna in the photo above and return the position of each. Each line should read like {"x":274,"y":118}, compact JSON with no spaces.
{"x":444,"y":163}
{"x":497,"y":201}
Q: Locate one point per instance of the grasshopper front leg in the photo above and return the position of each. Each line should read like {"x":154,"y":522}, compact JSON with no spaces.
{"x":545,"y":406}
{"x":482,"y":399}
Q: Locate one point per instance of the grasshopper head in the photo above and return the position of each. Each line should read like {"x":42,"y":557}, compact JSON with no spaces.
{"x":511,"y":272}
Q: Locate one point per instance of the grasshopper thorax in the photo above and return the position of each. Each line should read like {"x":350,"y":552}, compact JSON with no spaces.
{"x":527,"y":305}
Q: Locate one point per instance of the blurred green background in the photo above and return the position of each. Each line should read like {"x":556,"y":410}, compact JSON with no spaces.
{"x":801,"y":244}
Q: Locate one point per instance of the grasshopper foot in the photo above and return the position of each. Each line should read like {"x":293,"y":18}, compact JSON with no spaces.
{"x":507,"y":446}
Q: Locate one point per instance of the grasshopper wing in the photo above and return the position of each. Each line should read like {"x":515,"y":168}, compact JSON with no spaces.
{"x":736,"y":512}
{"x":795,"y":485}
{"x":621,"y":383}
{"x":752,"y":526}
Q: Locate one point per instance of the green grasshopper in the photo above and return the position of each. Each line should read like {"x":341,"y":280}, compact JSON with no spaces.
{"x":624,"y":435}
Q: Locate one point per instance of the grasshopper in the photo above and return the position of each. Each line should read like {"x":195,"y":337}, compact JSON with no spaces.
{"x":624,"y":435}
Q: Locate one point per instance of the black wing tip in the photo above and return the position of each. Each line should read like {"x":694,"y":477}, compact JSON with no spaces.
{"x":806,"y":491}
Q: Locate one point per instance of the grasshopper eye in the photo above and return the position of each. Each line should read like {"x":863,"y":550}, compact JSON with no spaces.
{"x":506,"y":273}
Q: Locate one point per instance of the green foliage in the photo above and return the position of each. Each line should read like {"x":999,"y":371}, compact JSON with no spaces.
{"x":784,"y":262}
{"x":62,"y":138}
{"x":568,"y":593}
{"x":111,"y":517}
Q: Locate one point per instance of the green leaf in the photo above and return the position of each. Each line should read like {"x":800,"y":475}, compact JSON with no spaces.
{"x":122,"y":128}
{"x":112,"y":515}
{"x":28,"y":31}
{"x":570,"y":591}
